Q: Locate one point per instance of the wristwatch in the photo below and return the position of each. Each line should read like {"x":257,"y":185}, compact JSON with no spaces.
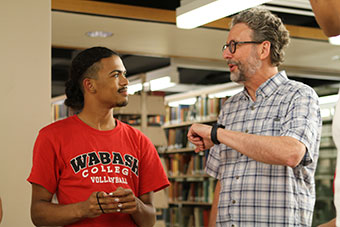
{"x":213,"y":133}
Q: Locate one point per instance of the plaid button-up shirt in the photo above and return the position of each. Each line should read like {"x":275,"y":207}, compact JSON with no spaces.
{"x":259,"y":194}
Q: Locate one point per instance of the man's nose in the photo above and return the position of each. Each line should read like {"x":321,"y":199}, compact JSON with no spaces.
{"x":226,"y":53}
{"x":123,"y":80}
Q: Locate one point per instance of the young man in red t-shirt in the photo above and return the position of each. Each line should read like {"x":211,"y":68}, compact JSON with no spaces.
{"x":102,"y":171}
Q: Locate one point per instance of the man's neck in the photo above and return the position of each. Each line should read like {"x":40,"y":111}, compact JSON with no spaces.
{"x":256,"y":80}
{"x":99,"y":119}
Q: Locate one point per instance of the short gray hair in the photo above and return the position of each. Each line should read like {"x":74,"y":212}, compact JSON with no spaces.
{"x":266,"y":27}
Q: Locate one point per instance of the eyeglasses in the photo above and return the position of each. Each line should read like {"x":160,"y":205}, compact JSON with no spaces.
{"x":232,"y":45}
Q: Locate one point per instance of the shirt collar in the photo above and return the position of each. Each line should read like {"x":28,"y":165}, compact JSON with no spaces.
{"x":270,"y":86}
{"x":267,"y":88}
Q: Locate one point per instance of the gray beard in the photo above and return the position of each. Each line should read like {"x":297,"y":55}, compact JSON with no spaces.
{"x":253,"y":65}
{"x":237,"y":77}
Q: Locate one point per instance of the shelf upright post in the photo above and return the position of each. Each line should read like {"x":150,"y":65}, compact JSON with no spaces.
{"x":143,"y":105}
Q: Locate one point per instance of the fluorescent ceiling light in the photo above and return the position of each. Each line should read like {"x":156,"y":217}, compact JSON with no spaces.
{"x":154,"y":85}
{"x":335,"y":40}
{"x":133,"y":88}
{"x":226,"y":93}
{"x":189,"y":101}
{"x":200,"y":12}
{"x":101,"y":34}
{"x":330,"y":99}
{"x":155,"y":80}
{"x":161,"y":83}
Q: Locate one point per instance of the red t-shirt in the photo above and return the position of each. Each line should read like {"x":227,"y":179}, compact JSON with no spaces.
{"x":73,"y":160}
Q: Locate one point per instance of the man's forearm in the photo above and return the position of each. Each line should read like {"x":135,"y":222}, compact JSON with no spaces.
{"x":276,"y":150}
{"x":145,"y":216}
{"x":45,"y":213}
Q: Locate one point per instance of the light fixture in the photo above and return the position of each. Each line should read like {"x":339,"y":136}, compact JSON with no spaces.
{"x":189,"y":101}
{"x":161,"y":83}
{"x":154,"y":85}
{"x":336,"y":58}
{"x":330,"y":99}
{"x":335,"y":40}
{"x":100,"y":34}
{"x":328,"y":104}
{"x":133,"y":88}
{"x":226,"y":93}
{"x":194,"y":13}
{"x":155,"y":80}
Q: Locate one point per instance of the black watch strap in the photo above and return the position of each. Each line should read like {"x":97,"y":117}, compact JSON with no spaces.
{"x":213,"y":133}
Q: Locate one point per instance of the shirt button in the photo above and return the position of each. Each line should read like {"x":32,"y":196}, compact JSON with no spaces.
{"x":246,"y":131}
{"x":234,"y":201}
{"x":252,"y":107}
{"x":237,"y":177}
{"x":233,"y":225}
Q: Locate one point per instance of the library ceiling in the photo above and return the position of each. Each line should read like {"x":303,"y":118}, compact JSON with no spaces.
{"x":145,"y":34}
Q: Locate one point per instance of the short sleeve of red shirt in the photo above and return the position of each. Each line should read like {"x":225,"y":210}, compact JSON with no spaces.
{"x":45,"y":165}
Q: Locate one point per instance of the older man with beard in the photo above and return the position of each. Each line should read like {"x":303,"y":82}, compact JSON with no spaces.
{"x":264,"y":149}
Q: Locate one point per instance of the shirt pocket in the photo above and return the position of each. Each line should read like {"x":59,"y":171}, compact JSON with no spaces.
{"x":271,"y":126}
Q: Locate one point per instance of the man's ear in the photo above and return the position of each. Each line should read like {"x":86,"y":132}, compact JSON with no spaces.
{"x":265,"y":50}
{"x":88,"y":85}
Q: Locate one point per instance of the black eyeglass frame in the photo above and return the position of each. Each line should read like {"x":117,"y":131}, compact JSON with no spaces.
{"x":232,"y":45}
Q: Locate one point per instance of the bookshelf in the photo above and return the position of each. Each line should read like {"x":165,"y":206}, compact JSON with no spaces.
{"x":145,"y":113}
{"x":191,"y":191}
{"x":324,"y":209}
{"x":59,"y":110}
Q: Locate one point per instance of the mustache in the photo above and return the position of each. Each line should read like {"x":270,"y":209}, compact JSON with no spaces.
{"x":229,"y":61}
{"x":122,"y":89}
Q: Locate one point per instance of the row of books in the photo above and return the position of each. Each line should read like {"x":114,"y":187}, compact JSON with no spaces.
{"x":187,"y":216}
{"x":200,"y":191}
{"x":60,"y":111}
{"x":186,"y":164}
{"x":157,"y":120}
{"x":177,"y":137}
{"x":203,"y":108}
